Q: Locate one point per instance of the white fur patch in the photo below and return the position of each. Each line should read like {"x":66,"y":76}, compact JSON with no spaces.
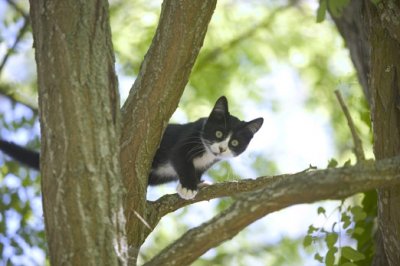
{"x":185,"y":193}
{"x":165,"y":170}
{"x":204,"y":160}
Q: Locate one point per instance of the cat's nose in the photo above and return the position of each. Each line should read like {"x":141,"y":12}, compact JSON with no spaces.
{"x":222,"y":149}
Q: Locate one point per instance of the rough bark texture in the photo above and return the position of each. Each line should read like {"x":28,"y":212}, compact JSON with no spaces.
{"x":79,"y":113}
{"x":372,"y":35}
{"x":384,"y":26}
{"x":271,"y":195}
{"x":154,"y":97}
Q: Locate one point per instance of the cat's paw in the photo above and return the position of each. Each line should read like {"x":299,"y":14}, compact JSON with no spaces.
{"x":185,"y":193}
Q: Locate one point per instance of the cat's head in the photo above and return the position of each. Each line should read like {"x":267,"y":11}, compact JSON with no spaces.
{"x":225,"y":135}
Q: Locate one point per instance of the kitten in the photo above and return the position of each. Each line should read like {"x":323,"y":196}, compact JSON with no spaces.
{"x":186,"y":151}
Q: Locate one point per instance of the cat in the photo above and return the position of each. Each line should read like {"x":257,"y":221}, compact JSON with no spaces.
{"x":186,"y":151}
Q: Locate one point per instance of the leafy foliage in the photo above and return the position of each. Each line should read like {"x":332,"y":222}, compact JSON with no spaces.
{"x":337,"y":239}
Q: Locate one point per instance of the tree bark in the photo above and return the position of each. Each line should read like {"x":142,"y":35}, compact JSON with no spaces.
{"x":80,"y":126}
{"x":384,"y":33}
{"x":372,"y":34}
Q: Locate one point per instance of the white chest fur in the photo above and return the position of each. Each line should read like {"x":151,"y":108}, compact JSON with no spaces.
{"x":205,"y":160}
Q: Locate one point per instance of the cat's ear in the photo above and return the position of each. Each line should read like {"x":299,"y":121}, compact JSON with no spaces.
{"x":221,"y":106}
{"x":254,"y":125}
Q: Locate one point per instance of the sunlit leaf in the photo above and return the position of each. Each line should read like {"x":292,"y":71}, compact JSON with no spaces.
{"x":331,"y":239}
{"x":321,"y":11}
{"x":352,"y":254}
{"x":307,"y":241}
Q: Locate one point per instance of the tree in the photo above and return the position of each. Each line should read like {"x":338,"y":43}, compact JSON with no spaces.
{"x":99,"y":191}
{"x":374,"y":46}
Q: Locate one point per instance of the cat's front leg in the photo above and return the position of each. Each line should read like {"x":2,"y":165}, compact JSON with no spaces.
{"x":188,"y":180}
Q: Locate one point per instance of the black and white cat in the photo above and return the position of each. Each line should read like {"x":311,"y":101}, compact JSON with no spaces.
{"x":186,"y":151}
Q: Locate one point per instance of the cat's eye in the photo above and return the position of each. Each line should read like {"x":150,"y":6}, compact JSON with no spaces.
{"x":234,"y":143}
{"x":218,"y":134}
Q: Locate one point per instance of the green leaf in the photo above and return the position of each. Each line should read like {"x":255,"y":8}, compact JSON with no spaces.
{"x":307,"y":241}
{"x":318,"y":257}
{"x":352,"y":254}
{"x":331,"y":239}
{"x":332,"y":163}
{"x":321,"y":210}
{"x":321,"y":12}
{"x":358,"y":213}
{"x":311,"y":229}
{"x":346,"y":220}
{"x":330,"y":256}
{"x":358,"y":230}
{"x":347,"y":163}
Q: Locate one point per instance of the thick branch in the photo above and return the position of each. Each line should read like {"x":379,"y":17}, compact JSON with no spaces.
{"x":277,"y":194}
{"x":154,"y":97}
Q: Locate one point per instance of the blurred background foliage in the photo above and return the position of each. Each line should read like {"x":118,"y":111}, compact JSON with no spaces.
{"x":270,"y":58}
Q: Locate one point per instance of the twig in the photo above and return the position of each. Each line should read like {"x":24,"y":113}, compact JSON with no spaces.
{"x":358,"y":148}
{"x":18,"y":9}
{"x":309,"y":168}
{"x":19,"y":36}
{"x":214,"y":53}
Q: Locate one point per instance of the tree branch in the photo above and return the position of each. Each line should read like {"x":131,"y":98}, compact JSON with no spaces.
{"x":15,"y":96}
{"x":11,"y":50}
{"x":277,"y":193}
{"x":154,"y":97}
{"x":358,"y":149}
{"x":172,"y":202}
{"x":217,"y":51}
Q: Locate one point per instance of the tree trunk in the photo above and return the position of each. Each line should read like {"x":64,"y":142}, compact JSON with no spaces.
{"x":372,"y":34}
{"x":385,"y":108}
{"x":80,"y":126}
